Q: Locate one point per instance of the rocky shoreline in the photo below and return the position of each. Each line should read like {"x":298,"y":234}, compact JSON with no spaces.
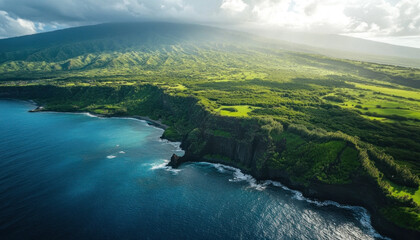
{"x":342,"y":194}
{"x":155,"y":123}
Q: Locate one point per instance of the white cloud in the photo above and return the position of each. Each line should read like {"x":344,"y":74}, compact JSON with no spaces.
{"x":379,"y":17}
{"x":233,"y":5}
{"x":14,"y":26}
{"x":316,"y":16}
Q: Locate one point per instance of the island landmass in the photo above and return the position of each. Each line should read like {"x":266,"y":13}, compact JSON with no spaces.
{"x":334,"y":129}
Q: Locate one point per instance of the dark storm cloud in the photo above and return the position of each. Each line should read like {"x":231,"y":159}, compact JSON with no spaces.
{"x":82,"y":11}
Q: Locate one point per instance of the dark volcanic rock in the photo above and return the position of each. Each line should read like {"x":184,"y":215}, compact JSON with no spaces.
{"x":175,"y":161}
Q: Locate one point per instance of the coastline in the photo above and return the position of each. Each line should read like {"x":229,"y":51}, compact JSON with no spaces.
{"x":365,"y":219}
{"x":260,"y":184}
{"x":155,"y":123}
{"x":378,"y":223}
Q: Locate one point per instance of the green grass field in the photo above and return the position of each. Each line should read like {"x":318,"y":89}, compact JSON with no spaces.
{"x":235,"y":111}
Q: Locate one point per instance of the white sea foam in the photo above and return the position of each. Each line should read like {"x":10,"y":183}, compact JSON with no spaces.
{"x":159,"y":166}
{"x":177,"y":145}
{"x":90,"y":115}
{"x":164,"y":166}
{"x":359,"y":212}
{"x":155,"y":127}
{"x":238,"y":175}
{"x":111,"y":156}
{"x":128,"y":118}
{"x":122,"y":152}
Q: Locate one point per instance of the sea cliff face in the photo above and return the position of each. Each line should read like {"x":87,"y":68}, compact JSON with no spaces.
{"x":237,"y":142}
{"x":259,"y":147}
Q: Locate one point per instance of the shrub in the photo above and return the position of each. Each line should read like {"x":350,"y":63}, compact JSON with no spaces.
{"x":230,"y":109}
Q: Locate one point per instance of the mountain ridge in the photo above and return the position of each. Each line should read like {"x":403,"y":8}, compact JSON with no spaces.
{"x":17,"y":48}
{"x":110,"y":36}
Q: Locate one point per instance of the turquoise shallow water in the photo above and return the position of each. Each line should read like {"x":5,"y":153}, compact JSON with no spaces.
{"x":73,"y":176}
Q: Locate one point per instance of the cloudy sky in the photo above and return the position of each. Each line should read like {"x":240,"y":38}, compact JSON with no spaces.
{"x":392,"y":21}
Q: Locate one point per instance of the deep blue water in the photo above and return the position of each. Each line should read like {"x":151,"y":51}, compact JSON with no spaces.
{"x":72,"y":176}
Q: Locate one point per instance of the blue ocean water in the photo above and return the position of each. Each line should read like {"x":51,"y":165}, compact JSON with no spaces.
{"x":74,"y":176}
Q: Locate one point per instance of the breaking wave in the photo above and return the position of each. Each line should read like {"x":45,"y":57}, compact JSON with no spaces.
{"x":164,"y":165}
{"x":177,"y":145}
